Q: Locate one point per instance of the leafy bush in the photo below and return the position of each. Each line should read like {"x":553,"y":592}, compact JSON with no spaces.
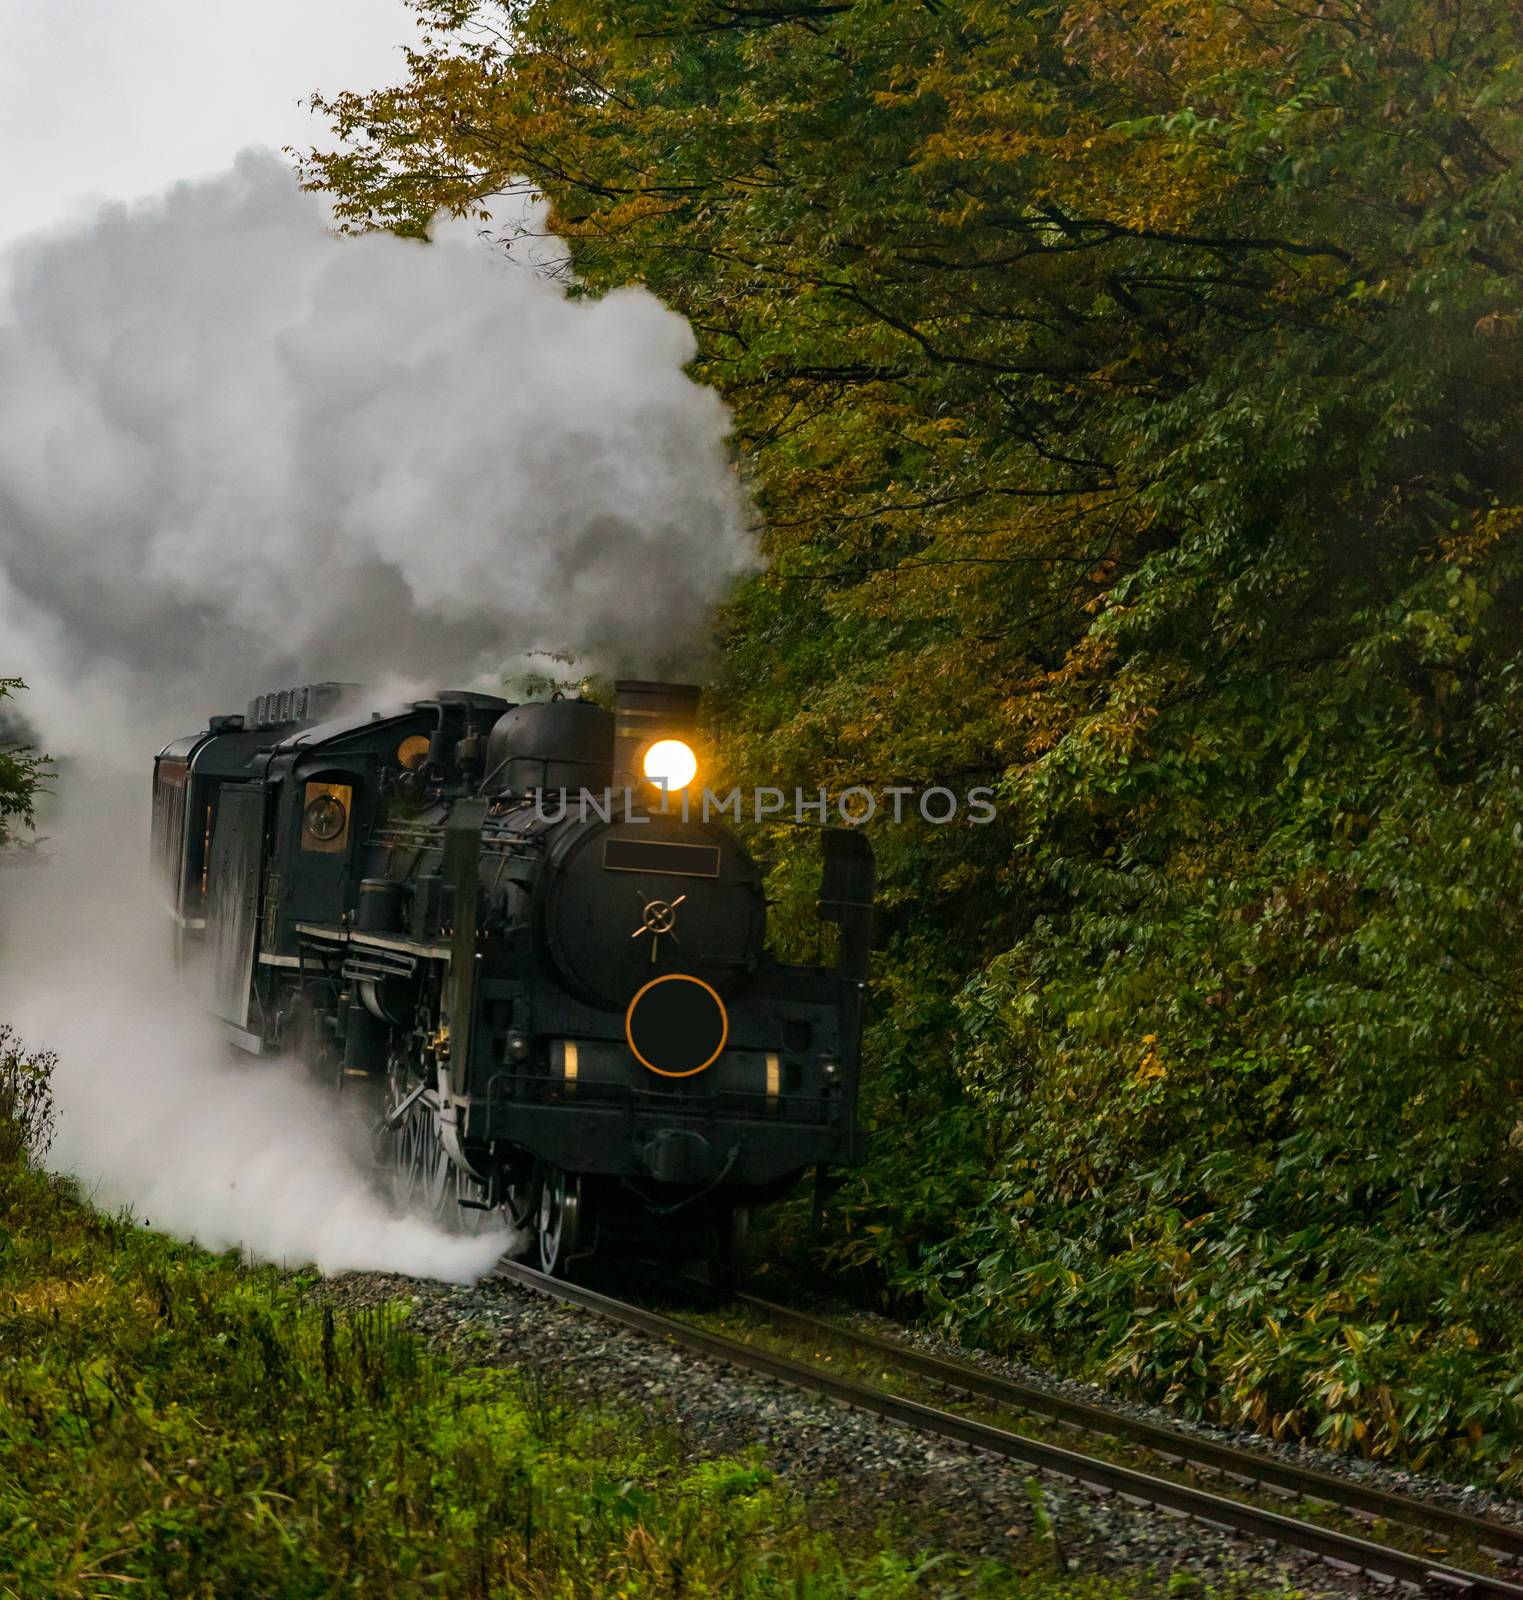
{"x":26,"y":1099}
{"x":20,"y":765}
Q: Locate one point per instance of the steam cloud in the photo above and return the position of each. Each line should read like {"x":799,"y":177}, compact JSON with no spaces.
{"x":234,"y":444}
{"x":237,"y":452}
{"x":156,"y":1113}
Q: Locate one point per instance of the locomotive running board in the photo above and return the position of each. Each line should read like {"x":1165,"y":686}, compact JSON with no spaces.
{"x":332,"y":933}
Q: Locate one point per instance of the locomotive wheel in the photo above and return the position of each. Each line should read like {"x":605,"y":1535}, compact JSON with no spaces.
{"x":422,"y":1176}
{"x":439,"y":1172}
{"x":561,"y":1218}
{"x":407,"y":1163}
{"x":393,"y":1146}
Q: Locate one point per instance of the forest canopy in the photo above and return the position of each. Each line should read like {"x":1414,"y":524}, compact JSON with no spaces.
{"x":1132,"y":395}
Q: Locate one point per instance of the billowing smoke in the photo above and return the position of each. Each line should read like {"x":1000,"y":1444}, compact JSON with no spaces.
{"x":157,"y":1114}
{"x":238,"y":452}
{"x":234,"y":445}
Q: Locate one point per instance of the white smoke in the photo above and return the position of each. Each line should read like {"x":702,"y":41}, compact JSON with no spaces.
{"x":239,"y":452}
{"x":156,"y":1113}
{"x":235,"y":445}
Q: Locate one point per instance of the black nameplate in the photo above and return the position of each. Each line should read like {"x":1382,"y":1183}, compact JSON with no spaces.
{"x":649,"y":855}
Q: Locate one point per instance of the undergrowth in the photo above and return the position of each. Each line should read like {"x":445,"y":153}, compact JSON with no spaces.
{"x":179,"y":1424}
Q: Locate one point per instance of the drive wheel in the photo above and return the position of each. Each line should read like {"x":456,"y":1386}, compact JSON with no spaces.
{"x":560,"y":1221}
{"x":407,"y":1152}
{"x":423,"y":1179}
{"x":438,"y":1171}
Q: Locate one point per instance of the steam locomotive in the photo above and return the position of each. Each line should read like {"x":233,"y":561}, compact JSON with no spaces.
{"x":494,"y":925}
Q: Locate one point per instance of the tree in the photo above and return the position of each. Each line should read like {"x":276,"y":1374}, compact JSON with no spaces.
{"x":1132,"y":395}
{"x":20,"y":765}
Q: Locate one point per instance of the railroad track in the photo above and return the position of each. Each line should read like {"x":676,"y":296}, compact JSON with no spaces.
{"x":1236,"y":1463}
{"x":1344,"y":1551}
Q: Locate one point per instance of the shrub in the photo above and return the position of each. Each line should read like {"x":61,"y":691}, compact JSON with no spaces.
{"x":26,"y":1099}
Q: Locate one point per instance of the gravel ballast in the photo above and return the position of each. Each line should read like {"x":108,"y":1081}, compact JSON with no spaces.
{"x":1468,"y":1498}
{"x":857,"y":1471}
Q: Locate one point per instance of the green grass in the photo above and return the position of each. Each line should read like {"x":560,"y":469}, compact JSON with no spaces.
{"x":174,"y":1423}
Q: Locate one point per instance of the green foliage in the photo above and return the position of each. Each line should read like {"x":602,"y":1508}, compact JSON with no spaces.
{"x":26,"y":1099}
{"x":1132,"y":392}
{"x":20,"y":766}
{"x":184,"y":1425}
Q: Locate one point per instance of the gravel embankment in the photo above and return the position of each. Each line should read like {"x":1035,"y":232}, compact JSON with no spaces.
{"x":941,"y":1494}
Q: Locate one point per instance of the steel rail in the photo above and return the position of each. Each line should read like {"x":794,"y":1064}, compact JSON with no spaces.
{"x":1341,"y":1550}
{"x":1237,"y":1462}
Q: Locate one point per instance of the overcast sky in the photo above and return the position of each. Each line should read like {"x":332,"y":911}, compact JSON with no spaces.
{"x":116,"y":98}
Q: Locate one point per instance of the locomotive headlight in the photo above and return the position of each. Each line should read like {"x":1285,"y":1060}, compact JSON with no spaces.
{"x":671,"y":764}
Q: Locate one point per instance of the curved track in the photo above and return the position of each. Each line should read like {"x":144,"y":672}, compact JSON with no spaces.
{"x":1345,"y":1551}
{"x":1235,"y":1462}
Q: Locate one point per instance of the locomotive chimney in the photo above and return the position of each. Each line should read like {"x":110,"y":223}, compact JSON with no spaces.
{"x":643,"y":714}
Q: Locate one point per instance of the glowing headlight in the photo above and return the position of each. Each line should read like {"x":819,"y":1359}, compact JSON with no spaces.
{"x":672,"y":763}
